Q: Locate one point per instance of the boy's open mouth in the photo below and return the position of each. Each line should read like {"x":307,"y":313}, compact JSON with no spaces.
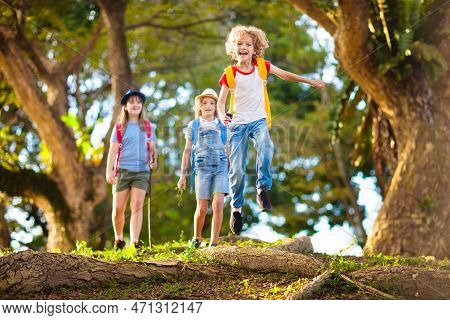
{"x":243,"y":53}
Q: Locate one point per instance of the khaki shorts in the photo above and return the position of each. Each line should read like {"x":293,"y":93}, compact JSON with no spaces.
{"x":129,"y":179}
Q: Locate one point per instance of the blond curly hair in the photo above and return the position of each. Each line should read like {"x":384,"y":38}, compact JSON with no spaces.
{"x":260,"y":41}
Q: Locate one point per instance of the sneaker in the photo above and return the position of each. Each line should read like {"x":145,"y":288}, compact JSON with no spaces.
{"x":213,"y":245}
{"x":236,"y":222}
{"x":263,"y":200}
{"x":119,"y":244}
{"x":196,"y":243}
{"x":138,"y":246}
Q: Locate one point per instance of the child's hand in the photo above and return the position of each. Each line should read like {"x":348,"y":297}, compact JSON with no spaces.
{"x":110,"y":177}
{"x":225,"y":119}
{"x":154,"y":161}
{"x":182,"y":183}
{"x":318,"y":84}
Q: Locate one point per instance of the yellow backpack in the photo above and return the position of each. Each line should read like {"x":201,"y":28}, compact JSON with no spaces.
{"x":263,"y":74}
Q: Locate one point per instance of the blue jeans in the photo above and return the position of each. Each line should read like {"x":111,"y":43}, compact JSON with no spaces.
{"x":239,"y":135}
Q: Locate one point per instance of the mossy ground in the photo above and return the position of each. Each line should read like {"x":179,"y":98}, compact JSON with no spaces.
{"x":230,"y":282}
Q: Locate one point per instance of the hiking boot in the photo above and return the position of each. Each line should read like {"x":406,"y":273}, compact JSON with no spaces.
{"x":263,"y":200}
{"x":119,"y":244}
{"x":236,"y":222}
{"x":196,"y":243}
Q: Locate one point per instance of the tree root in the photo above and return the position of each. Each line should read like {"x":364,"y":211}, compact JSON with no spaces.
{"x":367,"y":288}
{"x":29,"y":271}
{"x":313,"y":287}
{"x":264,"y":260}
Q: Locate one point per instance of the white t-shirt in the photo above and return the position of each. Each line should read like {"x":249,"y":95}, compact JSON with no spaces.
{"x":204,"y":125}
{"x":248,"y":95}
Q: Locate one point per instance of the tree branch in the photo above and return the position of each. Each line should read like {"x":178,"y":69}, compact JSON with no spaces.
{"x":40,"y":63}
{"x":310,"y":8}
{"x":48,"y":125}
{"x":32,"y":185}
{"x":352,"y":51}
{"x":179,"y":27}
{"x":112,"y":13}
{"x":350,"y":192}
{"x":5,"y":238}
{"x":80,"y":101}
{"x":77,"y":61}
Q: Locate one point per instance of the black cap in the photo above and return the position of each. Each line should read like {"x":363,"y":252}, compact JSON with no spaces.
{"x":129,"y":93}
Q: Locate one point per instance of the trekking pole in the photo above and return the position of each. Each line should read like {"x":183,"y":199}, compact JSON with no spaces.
{"x":149,"y":193}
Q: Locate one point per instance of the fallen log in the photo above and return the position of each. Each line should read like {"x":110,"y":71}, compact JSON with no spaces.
{"x":29,"y":271}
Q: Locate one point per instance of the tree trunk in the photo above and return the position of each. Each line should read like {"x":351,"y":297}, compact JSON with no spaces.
{"x":415,"y":214}
{"x":113,"y":15}
{"x":384,"y":149}
{"x":81,"y":184}
{"x":5,"y":236}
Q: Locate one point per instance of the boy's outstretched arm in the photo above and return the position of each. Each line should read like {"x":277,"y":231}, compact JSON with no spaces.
{"x":221,"y":105}
{"x":289,"y":76}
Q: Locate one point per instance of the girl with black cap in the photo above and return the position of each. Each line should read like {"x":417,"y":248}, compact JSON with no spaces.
{"x":133,"y":143}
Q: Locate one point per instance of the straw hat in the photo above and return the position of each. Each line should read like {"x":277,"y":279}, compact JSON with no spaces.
{"x":207,"y":93}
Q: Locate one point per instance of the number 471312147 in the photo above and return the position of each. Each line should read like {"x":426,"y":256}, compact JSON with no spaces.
{"x":166,"y":307}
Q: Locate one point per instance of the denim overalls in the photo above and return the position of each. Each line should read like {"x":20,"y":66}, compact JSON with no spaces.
{"x":211,"y":165}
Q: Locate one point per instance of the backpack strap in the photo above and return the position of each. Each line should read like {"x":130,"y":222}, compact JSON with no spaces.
{"x":195,"y":126}
{"x":262,"y":70}
{"x":119,"y":140}
{"x":148,"y":133}
{"x":231,"y":85}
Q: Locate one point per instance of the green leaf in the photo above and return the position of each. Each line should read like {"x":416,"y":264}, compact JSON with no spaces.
{"x":71,"y":121}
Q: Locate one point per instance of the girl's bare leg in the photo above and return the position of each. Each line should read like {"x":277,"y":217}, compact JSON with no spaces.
{"x":199,"y":217}
{"x":217,"y":207}
{"x":118,"y":212}
{"x":136,"y":204}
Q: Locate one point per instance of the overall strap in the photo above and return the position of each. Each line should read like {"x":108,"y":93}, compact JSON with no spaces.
{"x":231,"y":85}
{"x":119,"y":140}
{"x":223,"y":132}
{"x":262,"y":70}
{"x":195,"y":126}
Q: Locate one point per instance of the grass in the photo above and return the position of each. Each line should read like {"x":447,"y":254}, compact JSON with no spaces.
{"x":255,"y":244}
{"x":175,"y":250}
{"x":5,"y":251}
{"x":181,"y":250}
